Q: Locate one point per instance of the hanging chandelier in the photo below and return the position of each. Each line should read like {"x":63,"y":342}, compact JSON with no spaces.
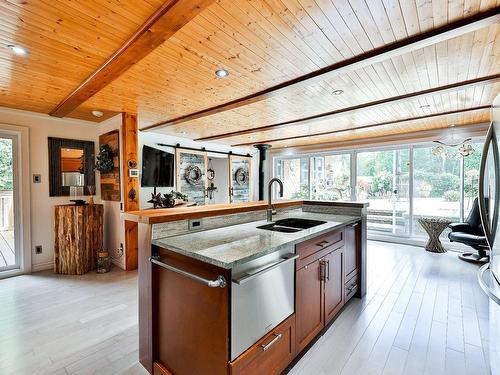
{"x":463,"y":148}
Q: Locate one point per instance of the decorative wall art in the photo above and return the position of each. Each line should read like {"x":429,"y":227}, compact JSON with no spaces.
{"x":191,"y":173}
{"x":239,"y":172}
{"x":110,"y":177}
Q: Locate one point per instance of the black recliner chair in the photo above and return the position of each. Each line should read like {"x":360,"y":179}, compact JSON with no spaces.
{"x":471,"y":233}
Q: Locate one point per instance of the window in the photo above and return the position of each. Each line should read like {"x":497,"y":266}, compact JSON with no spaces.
{"x":471,"y":177}
{"x":295,"y":175}
{"x":331,"y":177}
{"x":436,"y":189}
{"x":401,"y":184}
{"x":383,"y":180}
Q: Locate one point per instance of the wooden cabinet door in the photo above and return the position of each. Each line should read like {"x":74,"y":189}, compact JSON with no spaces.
{"x":334,"y":283}
{"x":309,"y":303}
{"x":351,"y":250}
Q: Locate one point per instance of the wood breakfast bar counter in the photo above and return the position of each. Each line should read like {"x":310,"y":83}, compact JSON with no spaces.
{"x":222,"y":291}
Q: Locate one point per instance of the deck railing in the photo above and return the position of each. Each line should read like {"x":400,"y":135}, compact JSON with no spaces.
{"x":6,"y":210}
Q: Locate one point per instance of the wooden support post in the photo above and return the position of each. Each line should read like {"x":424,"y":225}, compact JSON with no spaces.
{"x":130,"y":159}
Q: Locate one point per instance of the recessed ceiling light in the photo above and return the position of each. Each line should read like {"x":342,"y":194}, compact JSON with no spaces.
{"x":337,"y":92}
{"x":221,"y":73}
{"x":97,"y":113}
{"x":18,"y":50}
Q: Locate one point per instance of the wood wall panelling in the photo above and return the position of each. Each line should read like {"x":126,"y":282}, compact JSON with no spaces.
{"x":130,"y":186}
{"x":110,"y":182}
{"x":260,"y":53}
{"x":361,"y":107}
{"x":372,"y":56}
{"x":161,"y":25}
{"x":66,"y":42}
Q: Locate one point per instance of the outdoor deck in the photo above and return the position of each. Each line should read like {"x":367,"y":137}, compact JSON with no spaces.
{"x":7,"y":255}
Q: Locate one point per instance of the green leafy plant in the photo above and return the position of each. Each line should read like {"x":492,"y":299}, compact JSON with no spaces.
{"x":6,"y":176}
{"x":104,"y":161}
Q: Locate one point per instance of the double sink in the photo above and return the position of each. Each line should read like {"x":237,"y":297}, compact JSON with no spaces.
{"x":291,"y":225}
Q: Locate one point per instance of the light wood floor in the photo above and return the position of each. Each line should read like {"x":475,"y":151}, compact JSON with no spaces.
{"x":423,"y":314}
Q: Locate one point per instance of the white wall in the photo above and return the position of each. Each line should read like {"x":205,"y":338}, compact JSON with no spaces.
{"x":42,"y":206}
{"x":114,"y":227}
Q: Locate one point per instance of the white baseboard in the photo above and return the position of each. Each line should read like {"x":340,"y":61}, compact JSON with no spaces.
{"x":42,"y":266}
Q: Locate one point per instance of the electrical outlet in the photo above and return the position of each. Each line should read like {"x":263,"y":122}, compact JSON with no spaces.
{"x":38,"y":249}
{"x":120,"y":250}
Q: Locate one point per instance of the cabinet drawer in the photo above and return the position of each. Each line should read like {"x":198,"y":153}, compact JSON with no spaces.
{"x":311,"y":250}
{"x":351,"y":287}
{"x":271,"y":354}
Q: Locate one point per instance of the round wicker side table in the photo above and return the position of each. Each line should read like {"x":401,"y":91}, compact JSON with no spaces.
{"x":434,"y":226}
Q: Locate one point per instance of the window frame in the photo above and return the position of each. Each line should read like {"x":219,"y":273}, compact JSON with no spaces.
{"x":353,"y":154}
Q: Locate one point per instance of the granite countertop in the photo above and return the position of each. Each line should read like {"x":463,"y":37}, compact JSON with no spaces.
{"x":229,"y":246}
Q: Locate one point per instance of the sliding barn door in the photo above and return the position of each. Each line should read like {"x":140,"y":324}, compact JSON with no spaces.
{"x":191,"y":173}
{"x":240,"y":188}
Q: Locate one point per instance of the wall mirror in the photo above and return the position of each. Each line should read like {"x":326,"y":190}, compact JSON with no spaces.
{"x":71,"y":164}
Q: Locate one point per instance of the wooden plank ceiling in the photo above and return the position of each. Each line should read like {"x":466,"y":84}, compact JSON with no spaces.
{"x":261,"y":43}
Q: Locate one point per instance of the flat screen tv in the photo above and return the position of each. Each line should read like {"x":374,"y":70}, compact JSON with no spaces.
{"x":157,"y":168}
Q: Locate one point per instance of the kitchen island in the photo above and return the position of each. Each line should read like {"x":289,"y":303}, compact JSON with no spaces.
{"x":219,"y":295}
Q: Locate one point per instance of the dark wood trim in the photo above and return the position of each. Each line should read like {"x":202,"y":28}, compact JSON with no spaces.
{"x":56,"y":189}
{"x":350,"y":110}
{"x":385,"y":52}
{"x":158,"y":28}
{"x":368,"y":125}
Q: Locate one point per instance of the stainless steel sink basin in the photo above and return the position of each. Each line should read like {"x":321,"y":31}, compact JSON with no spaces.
{"x":291,"y":225}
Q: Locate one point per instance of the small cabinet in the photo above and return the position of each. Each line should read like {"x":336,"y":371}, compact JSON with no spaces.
{"x":352,"y":259}
{"x":334,"y":283}
{"x":309,"y":303}
{"x":319,"y":286}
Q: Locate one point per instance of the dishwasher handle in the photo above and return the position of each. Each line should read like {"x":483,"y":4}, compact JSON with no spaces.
{"x":249,"y":276}
{"x":220,"y":282}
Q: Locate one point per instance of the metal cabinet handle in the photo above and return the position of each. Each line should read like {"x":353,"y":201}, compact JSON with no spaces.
{"x":220,"y":282}
{"x":271,"y":343}
{"x":328,"y":268}
{"x":355,"y":225}
{"x":323,"y":243}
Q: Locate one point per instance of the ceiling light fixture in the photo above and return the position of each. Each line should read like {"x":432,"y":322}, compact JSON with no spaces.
{"x":452,"y":141}
{"x":221,"y":73}
{"x":337,"y":92}
{"x":18,"y":50}
{"x":97,"y":114}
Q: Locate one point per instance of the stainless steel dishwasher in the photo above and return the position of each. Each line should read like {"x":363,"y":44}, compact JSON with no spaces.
{"x":262,"y":296}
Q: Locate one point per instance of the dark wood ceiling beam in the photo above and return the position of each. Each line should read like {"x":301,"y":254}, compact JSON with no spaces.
{"x":374,"y":56}
{"x":354,"y":109}
{"x":162,"y":24}
{"x":374,"y":125}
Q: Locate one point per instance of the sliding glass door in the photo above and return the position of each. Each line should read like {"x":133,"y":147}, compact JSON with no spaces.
{"x":9,"y":256}
{"x":383,"y":181}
